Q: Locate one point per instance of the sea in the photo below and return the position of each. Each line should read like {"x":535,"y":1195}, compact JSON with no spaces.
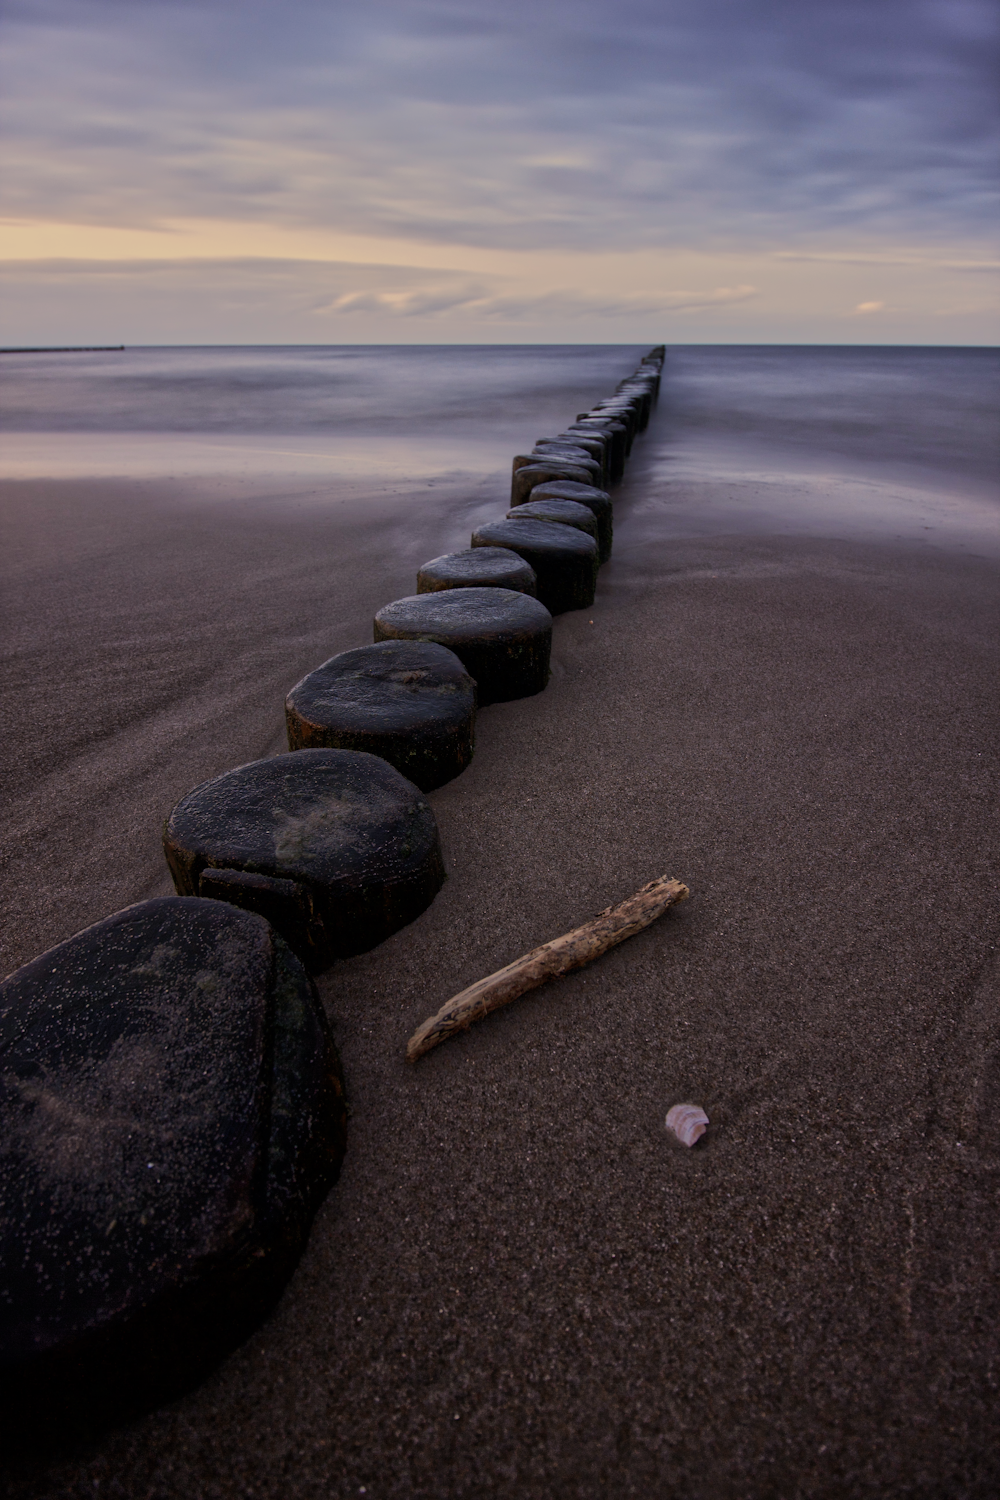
{"x":888,"y":442}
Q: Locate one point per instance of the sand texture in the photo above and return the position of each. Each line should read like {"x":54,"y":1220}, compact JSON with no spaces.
{"x":520,"y":1288}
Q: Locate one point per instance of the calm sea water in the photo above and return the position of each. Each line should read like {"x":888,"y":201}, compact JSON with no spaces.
{"x":936,"y":406}
{"x":339,"y":410}
{"x":925,"y":417}
{"x":295,"y":390}
{"x":933,"y":408}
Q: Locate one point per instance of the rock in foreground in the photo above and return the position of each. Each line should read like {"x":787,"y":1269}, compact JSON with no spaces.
{"x":172,"y":1116}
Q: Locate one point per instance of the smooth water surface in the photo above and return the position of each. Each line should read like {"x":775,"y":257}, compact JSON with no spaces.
{"x":856,"y":432}
{"x":934,"y":409}
{"x":370,"y":391}
{"x":343,"y":411}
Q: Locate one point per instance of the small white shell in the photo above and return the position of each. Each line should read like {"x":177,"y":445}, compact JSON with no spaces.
{"x":688,"y":1123}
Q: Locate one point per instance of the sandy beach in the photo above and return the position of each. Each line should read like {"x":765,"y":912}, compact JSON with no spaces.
{"x":519,"y":1288}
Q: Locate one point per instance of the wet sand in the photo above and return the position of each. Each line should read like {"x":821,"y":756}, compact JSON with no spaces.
{"x":519,"y":1288}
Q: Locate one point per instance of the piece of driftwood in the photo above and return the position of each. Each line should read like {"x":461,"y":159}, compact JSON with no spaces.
{"x":571,"y":951}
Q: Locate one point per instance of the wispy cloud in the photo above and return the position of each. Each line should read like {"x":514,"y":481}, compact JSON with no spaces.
{"x":722,"y":145}
{"x":885,"y":258}
{"x":565,"y":125}
{"x":521,"y":308}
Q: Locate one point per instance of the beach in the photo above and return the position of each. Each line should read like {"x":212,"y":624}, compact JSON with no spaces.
{"x":785,"y":696}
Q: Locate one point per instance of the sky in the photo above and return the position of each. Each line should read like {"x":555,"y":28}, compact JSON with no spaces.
{"x":428,"y":171}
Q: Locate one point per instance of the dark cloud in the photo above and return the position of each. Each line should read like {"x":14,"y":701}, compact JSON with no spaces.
{"x":700,"y":121}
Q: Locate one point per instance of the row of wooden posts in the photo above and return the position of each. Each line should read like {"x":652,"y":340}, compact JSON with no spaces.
{"x":171,"y":1101}
{"x":478,"y":631}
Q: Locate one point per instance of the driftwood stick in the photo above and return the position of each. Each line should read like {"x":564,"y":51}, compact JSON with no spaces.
{"x":571,"y":951}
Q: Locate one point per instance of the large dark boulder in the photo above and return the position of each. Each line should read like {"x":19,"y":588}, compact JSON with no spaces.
{"x":334,"y":847}
{"x":564,"y":559}
{"x":477,"y":568}
{"x":503,"y":637}
{"x":171,"y":1118}
{"x":411,"y":702}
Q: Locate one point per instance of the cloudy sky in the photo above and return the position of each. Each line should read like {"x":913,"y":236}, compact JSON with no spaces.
{"x":315,"y":171}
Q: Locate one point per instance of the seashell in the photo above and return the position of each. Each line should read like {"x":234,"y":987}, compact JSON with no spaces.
{"x":688,"y":1123}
